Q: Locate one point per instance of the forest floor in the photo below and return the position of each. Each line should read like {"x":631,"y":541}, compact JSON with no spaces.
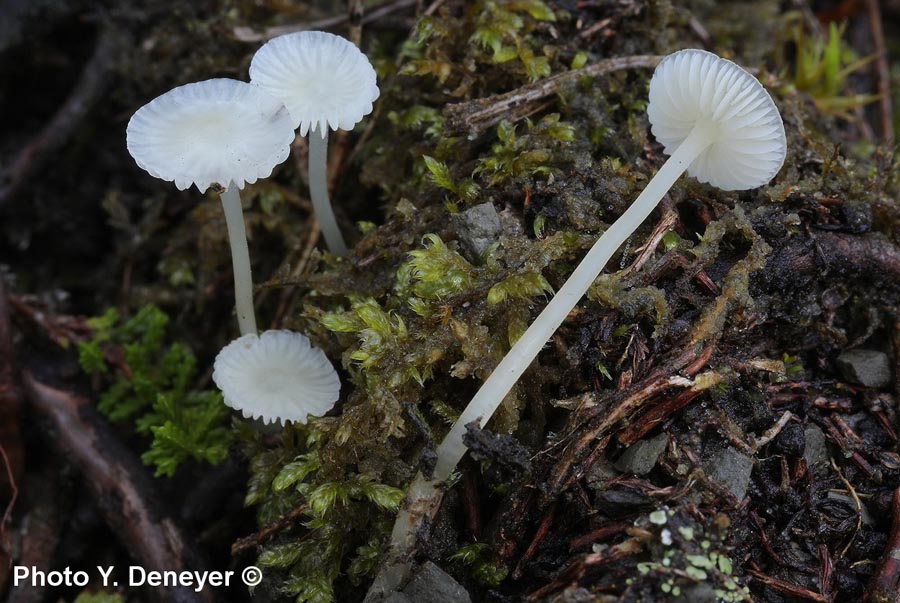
{"x":717,"y":420}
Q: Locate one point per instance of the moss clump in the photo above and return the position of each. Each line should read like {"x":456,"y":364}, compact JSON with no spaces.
{"x":148,"y":385}
{"x":343,"y":517}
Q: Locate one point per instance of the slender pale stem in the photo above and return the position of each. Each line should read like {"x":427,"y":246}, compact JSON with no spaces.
{"x":240,"y":259}
{"x":318,"y":190}
{"x":423,"y":495}
{"x":530,"y":343}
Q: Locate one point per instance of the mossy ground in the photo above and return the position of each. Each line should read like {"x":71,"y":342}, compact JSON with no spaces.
{"x":758,"y":284}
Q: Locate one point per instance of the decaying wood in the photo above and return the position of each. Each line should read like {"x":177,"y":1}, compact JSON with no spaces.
{"x":788,"y":588}
{"x":46,"y":501}
{"x":478,"y":115}
{"x":123,"y":488}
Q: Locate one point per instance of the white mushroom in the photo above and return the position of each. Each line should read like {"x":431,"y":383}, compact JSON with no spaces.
{"x":325,"y":81}
{"x":218,"y":131}
{"x":276,"y":376}
{"x":719,"y":124}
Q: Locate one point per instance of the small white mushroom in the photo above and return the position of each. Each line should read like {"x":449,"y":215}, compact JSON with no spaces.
{"x":276,"y":376}
{"x":325,"y":81}
{"x":719,"y":124}
{"x":218,"y":131}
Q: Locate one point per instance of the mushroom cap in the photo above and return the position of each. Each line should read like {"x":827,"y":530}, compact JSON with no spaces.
{"x":323,"y":79}
{"x":215,"y":131}
{"x":276,"y":376}
{"x":693,"y":88}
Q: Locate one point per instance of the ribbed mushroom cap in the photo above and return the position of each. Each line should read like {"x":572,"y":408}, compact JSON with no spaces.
{"x":695,"y":88}
{"x":323,"y":79}
{"x":276,"y":376}
{"x":215,"y":131}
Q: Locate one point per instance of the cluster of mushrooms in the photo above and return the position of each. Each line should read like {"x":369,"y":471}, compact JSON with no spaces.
{"x":714,"y":119}
{"x":225,"y":133}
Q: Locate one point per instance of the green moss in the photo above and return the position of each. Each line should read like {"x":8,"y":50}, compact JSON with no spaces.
{"x":149,"y":387}
{"x":343,"y":521}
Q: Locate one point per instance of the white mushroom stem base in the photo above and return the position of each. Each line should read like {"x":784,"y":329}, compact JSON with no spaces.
{"x":318,"y":190}
{"x":240,"y":259}
{"x":423,"y":496}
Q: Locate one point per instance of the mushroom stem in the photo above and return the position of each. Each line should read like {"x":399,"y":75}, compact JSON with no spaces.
{"x":240,"y":259}
{"x":530,"y":343}
{"x":423,"y":494}
{"x":318,"y":190}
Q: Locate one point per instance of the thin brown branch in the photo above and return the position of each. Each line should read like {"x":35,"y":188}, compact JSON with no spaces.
{"x":258,"y":539}
{"x":122,"y":487}
{"x":885,"y":584}
{"x":882,"y":72}
{"x":668,"y":220}
{"x":576,"y":569}
{"x":478,"y":115}
{"x":355,"y":14}
{"x":539,"y":536}
{"x":788,"y":588}
{"x":47,"y":498}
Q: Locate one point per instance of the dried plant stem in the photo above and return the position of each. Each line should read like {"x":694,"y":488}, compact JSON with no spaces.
{"x":478,"y":115}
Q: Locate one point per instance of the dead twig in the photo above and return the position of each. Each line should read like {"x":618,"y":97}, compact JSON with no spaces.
{"x":856,"y":501}
{"x":885,"y":584}
{"x":47,"y":499}
{"x":576,"y":569}
{"x":539,"y":536}
{"x":772,"y":432}
{"x":121,"y":485}
{"x":788,"y":588}
{"x":882,"y":72}
{"x":646,"y":251}
{"x":851,"y":257}
{"x":355,"y":14}
{"x":598,"y":535}
{"x":95,"y":78}
{"x":254,"y":541}
{"x":478,"y":115}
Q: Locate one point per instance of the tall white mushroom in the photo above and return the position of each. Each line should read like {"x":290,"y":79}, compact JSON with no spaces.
{"x":218,"y":131}
{"x":721,"y":126}
{"x":325,"y":81}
